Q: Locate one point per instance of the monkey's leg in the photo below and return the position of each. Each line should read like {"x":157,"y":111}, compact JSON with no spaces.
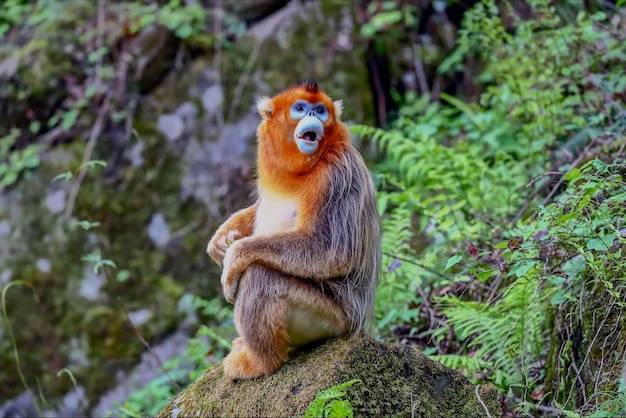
{"x":274,"y":313}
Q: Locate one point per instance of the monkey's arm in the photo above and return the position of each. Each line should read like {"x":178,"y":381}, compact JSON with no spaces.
{"x":239,"y":225}
{"x":300,"y":254}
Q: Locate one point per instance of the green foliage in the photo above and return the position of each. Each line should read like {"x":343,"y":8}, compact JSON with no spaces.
{"x":5,"y":316}
{"x":209,"y":345}
{"x":184,"y":20}
{"x":465,"y":204}
{"x":614,"y":407}
{"x":213,"y":339}
{"x":12,"y":12}
{"x":506,"y":335}
{"x":441,"y":196}
{"x":389,"y":15}
{"x":331,"y":403}
{"x":98,"y":261}
{"x":15,"y":163}
{"x":149,"y":400}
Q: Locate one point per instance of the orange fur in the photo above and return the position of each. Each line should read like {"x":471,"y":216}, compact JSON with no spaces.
{"x":302,"y":263}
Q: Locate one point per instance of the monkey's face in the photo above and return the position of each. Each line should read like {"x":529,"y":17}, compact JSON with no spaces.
{"x":298,"y":124}
{"x":310,"y":128}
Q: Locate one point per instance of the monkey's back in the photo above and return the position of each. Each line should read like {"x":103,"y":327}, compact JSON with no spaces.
{"x":350,"y":221}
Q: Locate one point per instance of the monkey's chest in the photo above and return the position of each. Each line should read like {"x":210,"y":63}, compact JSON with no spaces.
{"x":275,"y":214}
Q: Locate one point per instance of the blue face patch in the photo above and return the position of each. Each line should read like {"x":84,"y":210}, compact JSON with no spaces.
{"x":320,"y":112}
{"x":302,"y":108}
{"x":307,"y":147}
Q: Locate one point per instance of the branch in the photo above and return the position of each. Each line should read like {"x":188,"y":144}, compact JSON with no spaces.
{"x":93,"y":136}
{"x":415,"y":263}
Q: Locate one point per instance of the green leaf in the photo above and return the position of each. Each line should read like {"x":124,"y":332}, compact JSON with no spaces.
{"x":573,"y":175}
{"x":338,"y":409}
{"x":34,"y":126}
{"x":31,"y":161}
{"x":67,"y":176}
{"x":69,"y":119}
{"x":452,"y":261}
{"x":321,"y":407}
{"x":123,"y":275}
{"x":8,"y":179}
{"x":558,"y":298}
{"x":86,"y":225}
{"x":599,"y":165}
{"x":92,"y":164}
{"x":485,"y":275}
{"x":601,"y":244}
{"x":90,"y":92}
{"x":104,"y":263}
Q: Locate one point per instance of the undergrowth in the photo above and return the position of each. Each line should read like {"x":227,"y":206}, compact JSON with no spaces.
{"x":504,"y":219}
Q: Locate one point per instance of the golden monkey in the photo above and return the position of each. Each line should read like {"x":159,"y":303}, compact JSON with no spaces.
{"x":301,"y":264}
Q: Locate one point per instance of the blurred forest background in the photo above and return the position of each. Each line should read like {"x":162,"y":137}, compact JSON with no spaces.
{"x":494,"y":130}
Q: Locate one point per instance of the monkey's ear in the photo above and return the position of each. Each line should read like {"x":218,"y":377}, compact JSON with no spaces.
{"x":265,"y":107}
{"x":338,"y":108}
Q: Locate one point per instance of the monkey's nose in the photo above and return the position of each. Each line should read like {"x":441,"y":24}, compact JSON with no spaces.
{"x":310,"y":124}
{"x":307,"y":134}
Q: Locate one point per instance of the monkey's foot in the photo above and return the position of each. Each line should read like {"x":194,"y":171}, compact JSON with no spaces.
{"x":241,"y":364}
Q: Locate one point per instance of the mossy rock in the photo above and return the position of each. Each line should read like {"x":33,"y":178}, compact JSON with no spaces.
{"x":396,"y":380}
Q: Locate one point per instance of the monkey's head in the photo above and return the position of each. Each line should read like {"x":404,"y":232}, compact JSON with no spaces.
{"x":299,"y":125}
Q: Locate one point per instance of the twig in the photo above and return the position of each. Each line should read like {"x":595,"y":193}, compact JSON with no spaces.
{"x":542,"y":408}
{"x":50,"y":136}
{"x":580,"y":382}
{"x":382,"y":107}
{"x":145,"y":344}
{"x":481,"y":401}
{"x":93,"y":136}
{"x":217,"y":62}
{"x":100,"y":41}
{"x":414,"y":405}
{"x":613,"y":8}
{"x":184,"y":230}
{"x":547,"y":173}
{"x":243,"y":80}
{"x":493,"y":289}
{"x":415,"y":263}
{"x":419,"y":69}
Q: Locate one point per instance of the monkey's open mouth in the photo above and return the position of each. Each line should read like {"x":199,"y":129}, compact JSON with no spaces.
{"x":309,"y":136}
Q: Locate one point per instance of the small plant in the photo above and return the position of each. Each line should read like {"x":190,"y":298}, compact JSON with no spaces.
{"x":209,"y":345}
{"x":616,"y":406}
{"x":331,"y":403}
{"x":14,"y":163}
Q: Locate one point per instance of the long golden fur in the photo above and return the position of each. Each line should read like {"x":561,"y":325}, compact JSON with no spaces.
{"x":301,"y":264}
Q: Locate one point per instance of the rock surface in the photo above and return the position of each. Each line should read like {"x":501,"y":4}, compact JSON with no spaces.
{"x":397,"y":380}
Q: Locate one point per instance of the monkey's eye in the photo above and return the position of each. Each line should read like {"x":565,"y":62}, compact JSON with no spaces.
{"x":321,"y":112}
{"x":299,"y":109}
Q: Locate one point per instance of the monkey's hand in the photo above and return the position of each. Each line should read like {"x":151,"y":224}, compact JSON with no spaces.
{"x":220,"y":242}
{"x":235,"y":263}
{"x":240,"y":224}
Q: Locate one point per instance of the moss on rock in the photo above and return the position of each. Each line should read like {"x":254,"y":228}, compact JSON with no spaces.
{"x":397,"y":380}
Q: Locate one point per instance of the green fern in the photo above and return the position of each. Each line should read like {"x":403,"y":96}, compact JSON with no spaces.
{"x":508,"y":335}
{"x":331,"y":403}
